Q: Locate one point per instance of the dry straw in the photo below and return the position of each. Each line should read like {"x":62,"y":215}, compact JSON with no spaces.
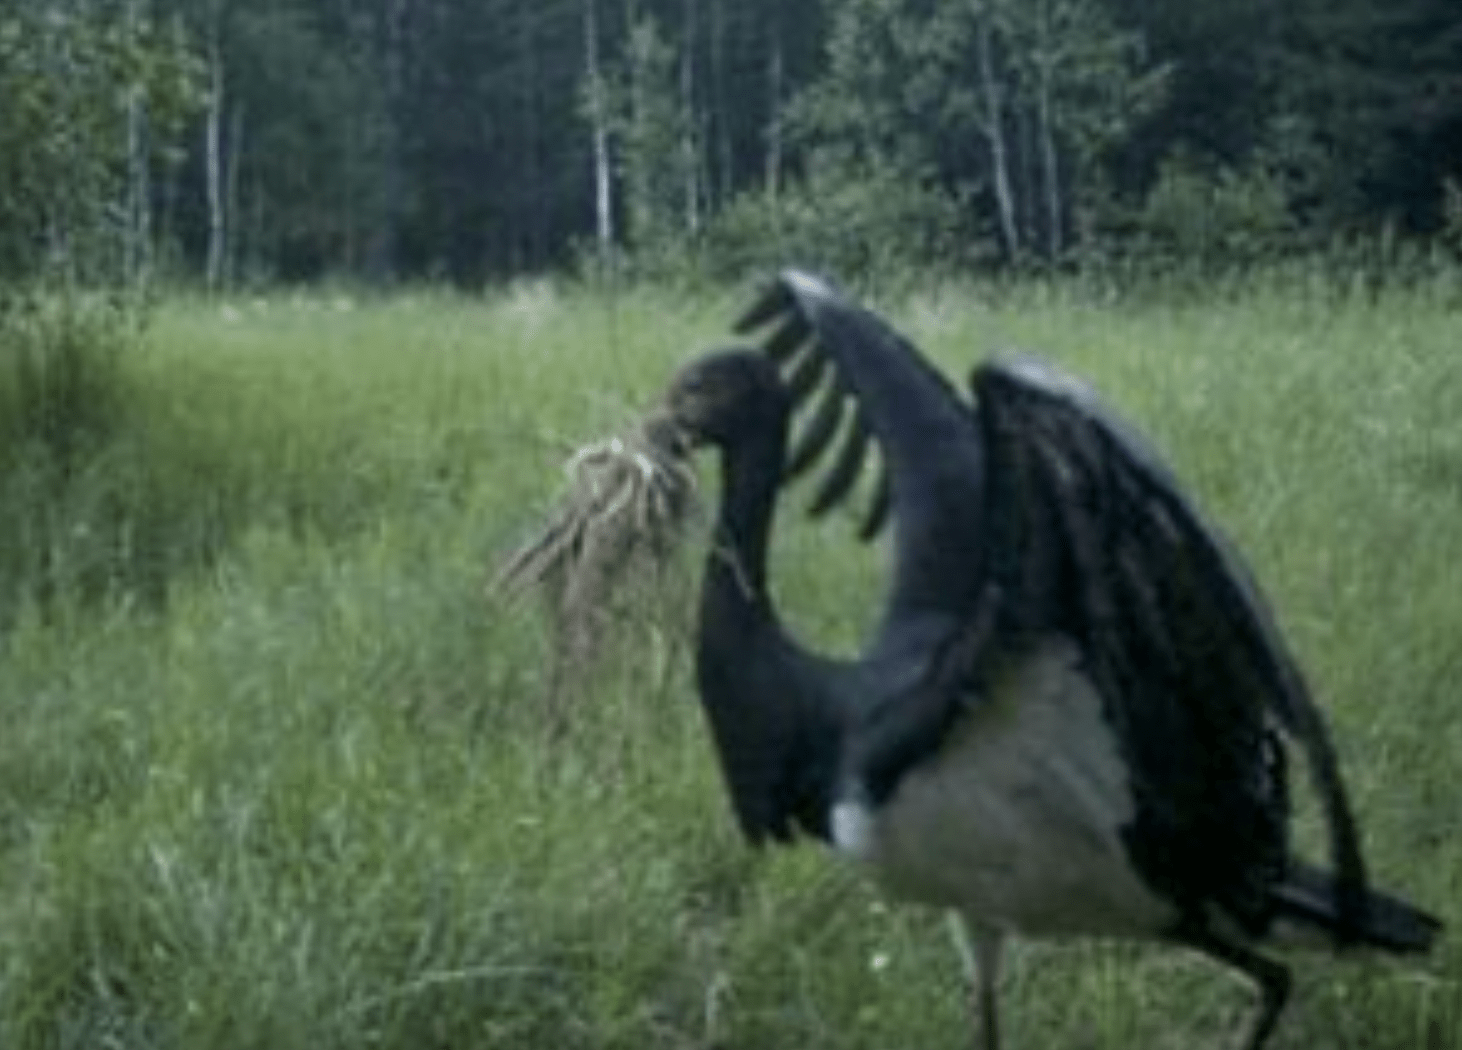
{"x":607,"y":552}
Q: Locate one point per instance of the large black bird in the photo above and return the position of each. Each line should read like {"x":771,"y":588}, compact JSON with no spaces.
{"x":1072,"y":718}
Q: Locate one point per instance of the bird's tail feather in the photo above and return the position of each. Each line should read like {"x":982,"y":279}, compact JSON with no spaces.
{"x":1310,"y":899}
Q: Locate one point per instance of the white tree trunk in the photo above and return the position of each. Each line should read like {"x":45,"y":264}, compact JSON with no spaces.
{"x":234,"y":150}
{"x":1046,"y":58}
{"x":689,"y":119}
{"x":994,"y":129}
{"x":599,"y":127}
{"x":213,"y":170}
{"x":1050,"y":168}
{"x":381,"y":247}
{"x":137,"y":243}
{"x":776,"y":78}
{"x":720,"y":164}
{"x":137,"y":235}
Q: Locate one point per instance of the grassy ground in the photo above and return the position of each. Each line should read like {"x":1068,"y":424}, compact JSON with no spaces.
{"x":286,"y":783}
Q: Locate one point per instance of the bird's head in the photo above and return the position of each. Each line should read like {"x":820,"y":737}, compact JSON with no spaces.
{"x":724,"y":394}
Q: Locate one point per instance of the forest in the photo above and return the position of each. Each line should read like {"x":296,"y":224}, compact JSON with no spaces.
{"x":248,"y":144}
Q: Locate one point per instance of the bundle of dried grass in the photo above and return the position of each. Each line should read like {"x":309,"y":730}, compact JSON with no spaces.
{"x":608,"y":551}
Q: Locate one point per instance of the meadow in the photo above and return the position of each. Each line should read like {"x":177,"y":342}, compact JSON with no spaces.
{"x":274,"y":768}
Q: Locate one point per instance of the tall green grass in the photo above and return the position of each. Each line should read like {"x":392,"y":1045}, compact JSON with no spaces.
{"x":284,"y":781}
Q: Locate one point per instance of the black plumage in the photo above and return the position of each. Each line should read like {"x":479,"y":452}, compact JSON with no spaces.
{"x":1074,"y":714}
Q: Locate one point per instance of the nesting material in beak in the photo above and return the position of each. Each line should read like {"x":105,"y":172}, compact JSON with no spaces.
{"x":628,"y":494}
{"x":629,"y":504}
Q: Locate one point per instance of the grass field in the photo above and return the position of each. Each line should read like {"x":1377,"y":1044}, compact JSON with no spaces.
{"x":274,"y":772}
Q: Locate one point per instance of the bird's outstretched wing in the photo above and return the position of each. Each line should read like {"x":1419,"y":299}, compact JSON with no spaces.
{"x":1089,"y":535}
{"x":860,"y":381}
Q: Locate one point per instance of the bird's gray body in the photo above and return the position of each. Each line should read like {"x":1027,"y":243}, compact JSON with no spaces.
{"x":1016,"y":821}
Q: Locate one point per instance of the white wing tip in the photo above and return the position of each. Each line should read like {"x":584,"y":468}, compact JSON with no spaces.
{"x":852,"y":828}
{"x":805,"y":282}
{"x":1036,"y":372}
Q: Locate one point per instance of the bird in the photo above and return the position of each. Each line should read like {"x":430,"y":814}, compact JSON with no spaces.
{"x":1074,"y":713}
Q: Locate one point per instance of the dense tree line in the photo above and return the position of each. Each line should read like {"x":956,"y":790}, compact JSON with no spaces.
{"x":246,"y":140}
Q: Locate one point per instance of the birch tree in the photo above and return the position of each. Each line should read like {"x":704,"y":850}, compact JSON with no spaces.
{"x":137,"y":232}
{"x":993,"y":124}
{"x":597,"y":111}
{"x":217,"y":198}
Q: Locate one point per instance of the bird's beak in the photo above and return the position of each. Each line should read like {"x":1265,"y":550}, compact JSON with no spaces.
{"x":682,"y":411}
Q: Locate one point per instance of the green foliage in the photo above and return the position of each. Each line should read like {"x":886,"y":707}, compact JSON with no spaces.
{"x":448,"y":138}
{"x":1452,"y":217}
{"x":873,"y":223}
{"x":60,"y":408}
{"x":310,"y":802}
{"x":652,"y":128}
{"x":58,"y":373}
{"x":1201,"y":222}
{"x":980,"y":94}
{"x":1357,"y":73}
{"x":67,"y":78}
{"x":867,"y":222}
{"x":306,"y":98}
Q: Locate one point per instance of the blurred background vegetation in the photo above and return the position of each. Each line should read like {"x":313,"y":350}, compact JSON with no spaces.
{"x":233,"y":143}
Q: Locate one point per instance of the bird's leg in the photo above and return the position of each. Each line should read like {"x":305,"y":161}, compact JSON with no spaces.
{"x":987,"y":949}
{"x":1271,"y":978}
{"x":979,"y":953}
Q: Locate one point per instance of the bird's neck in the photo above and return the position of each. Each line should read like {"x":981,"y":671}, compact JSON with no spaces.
{"x":736,"y":569}
{"x":766,"y":702}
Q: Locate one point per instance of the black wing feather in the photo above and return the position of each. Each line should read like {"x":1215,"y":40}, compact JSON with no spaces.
{"x":1091,"y":536}
{"x":786,"y":340}
{"x":929,"y":444}
{"x":840,"y":477}
{"x":878,"y":506}
{"x":807,"y":372}
{"x":775,"y":302}
{"x":814,"y":438}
